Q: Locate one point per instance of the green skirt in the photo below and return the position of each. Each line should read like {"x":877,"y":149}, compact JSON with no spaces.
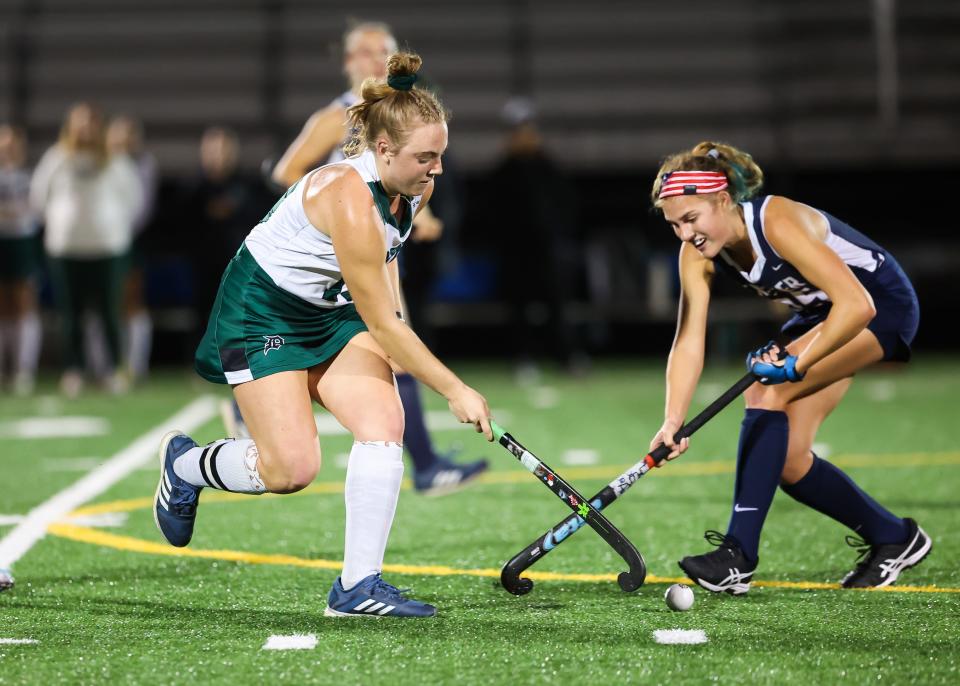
{"x":256,"y":328}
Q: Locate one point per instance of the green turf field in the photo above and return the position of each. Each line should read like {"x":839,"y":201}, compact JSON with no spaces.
{"x":106,"y":601}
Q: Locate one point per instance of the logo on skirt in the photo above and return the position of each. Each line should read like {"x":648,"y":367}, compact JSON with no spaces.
{"x":272,"y":343}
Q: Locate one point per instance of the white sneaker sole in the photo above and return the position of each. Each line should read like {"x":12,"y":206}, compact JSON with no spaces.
{"x":330,"y":612}
{"x":732,"y":589}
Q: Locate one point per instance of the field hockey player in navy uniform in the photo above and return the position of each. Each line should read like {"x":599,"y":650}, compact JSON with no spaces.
{"x":308,"y":312}
{"x":853,"y":307}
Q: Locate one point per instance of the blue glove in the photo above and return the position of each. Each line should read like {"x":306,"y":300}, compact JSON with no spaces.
{"x":760,"y":352}
{"x":769,"y":373}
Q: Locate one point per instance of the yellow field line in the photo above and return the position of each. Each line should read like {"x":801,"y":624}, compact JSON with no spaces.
{"x":96,"y":537}
{"x":84,"y":534}
{"x":676,"y":469}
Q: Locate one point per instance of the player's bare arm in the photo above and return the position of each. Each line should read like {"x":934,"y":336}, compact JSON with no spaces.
{"x":797,"y":234}
{"x":357,"y":234}
{"x":687,"y":353}
{"x":324,"y":131}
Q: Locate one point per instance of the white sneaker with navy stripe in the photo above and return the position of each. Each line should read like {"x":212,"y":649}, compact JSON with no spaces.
{"x":374,"y":597}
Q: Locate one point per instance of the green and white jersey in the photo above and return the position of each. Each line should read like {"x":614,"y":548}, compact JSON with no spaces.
{"x":300,"y":258}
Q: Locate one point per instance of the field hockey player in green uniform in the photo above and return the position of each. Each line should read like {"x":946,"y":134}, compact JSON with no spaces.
{"x":309,"y":311}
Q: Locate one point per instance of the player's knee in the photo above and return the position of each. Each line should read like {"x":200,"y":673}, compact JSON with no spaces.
{"x":384,"y":424}
{"x":297,"y":470}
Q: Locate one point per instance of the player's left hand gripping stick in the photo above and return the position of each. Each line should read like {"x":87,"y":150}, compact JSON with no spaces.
{"x":629,"y":581}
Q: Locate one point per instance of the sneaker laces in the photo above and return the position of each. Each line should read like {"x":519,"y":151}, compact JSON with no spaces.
{"x":714,"y":537}
{"x":868,"y":555}
{"x":389,"y":590}
{"x":727,"y":546}
{"x":862,"y":547}
{"x":183,"y":500}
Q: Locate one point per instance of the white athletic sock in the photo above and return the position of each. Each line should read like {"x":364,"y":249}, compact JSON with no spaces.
{"x":139,"y":339}
{"x":27,"y":344}
{"x":374,"y":472}
{"x":227,"y":465}
{"x":96,"y":356}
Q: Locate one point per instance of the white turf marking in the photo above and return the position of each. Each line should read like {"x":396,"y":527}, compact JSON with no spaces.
{"x":18,"y":641}
{"x":98,"y":521}
{"x":707,"y":392}
{"x":674,"y":636}
{"x":437,"y":420}
{"x":34,"y":526}
{"x":822,"y":449}
{"x":881,"y":391}
{"x":295,"y":642}
{"x":544,"y":397}
{"x":580,"y":456}
{"x":55,"y":427}
{"x":341,"y":460}
{"x":71,"y":464}
{"x":10,"y":520}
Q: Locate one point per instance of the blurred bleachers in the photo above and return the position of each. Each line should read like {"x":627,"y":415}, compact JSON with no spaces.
{"x":616,"y":81}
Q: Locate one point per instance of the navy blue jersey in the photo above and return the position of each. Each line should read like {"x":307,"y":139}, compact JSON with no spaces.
{"x":775,"y":278}
{"x":897,"y":310}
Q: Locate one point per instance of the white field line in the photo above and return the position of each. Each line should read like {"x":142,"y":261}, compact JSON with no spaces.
{"x":71,"y":464}
{"x":674,"y":636}
{"x":18,"y":641}
{"x":54,"y":427}
{"x":580,"y":456}
{"x":294,"y":642}
{"x":10,"y":520}
{"x":15,"y":544}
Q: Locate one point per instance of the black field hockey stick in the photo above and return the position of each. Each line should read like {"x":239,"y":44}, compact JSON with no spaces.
{"x":510,"y":574}
{"x":629,"y":581}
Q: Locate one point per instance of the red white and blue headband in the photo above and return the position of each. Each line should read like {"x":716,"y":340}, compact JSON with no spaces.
{"x":692,"y":183}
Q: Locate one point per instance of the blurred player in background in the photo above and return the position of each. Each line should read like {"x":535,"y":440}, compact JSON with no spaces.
{"x":90,"y":200}
{"x":19,"y":265}
{"x":853,"y":306}
{"x":309,"y":310}
{"x":125,"y":136}
{"x":220,"y":206}
{"x":366,"y":47}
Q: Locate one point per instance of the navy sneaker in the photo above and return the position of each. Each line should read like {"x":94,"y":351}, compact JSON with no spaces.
{"x":446,"y":476}
{"x":175,"y":504}
{"x":374,"y":597}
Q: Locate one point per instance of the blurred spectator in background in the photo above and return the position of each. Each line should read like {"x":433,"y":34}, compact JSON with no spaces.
{"x":90,"y":200}
{"x":222,"y":206}
{"x":125,"y":137}
{"x":536,"y":224}
{"x":19,"y":264}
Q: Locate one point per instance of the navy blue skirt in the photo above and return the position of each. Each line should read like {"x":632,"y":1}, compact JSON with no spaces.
{"x":895,"y":324}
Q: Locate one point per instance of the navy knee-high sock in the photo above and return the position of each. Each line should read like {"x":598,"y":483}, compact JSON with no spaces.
{"x":415,"y":437}
{"x":760,"y":459}
{"x":830,"y":491}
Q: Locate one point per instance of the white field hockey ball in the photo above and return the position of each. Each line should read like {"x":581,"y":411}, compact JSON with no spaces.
{"x":679,"y":597}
